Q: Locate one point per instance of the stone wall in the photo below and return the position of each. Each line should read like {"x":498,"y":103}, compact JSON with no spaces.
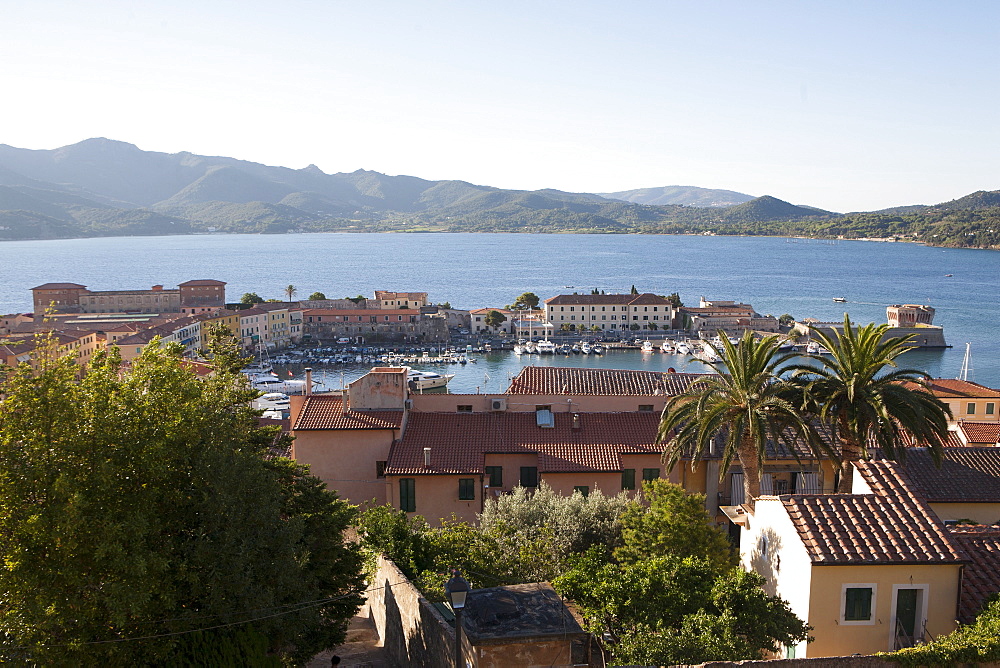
{"x":412,"y":631}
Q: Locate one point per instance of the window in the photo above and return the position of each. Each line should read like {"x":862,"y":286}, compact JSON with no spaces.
{"x":628,"y":479}
{"x":465,"y":408}
{"x":583,"y":489}
{"x":645,"y":408}
{"x":970,"y":409}
{"x":408,"y":495}
{"x":466,"y":489}
{"x":529,"y":476}
{"x":380,"y":469}
{"x":856,"y":604}
{"x":496,"y":475}
{"x":650,"y":474}
{"x":990,"y":408}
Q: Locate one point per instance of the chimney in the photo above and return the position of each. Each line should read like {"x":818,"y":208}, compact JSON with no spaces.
{"x":427,"y":458}
{"x":309,"y":381}
{"x":157,"y":288}
{"x":576,"y":422}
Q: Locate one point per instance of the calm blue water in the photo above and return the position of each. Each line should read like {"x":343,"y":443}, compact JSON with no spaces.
{"x":473,"y":270}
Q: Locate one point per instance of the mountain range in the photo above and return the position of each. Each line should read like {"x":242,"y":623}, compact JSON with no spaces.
{"x":103,"y":187}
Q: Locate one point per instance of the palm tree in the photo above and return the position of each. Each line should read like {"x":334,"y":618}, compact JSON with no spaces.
{"x":867,"y":400}
{"x":746,"y":404}
{"x":290,"y":291}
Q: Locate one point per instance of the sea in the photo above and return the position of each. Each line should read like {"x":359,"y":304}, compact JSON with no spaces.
{"x":776,"y":275}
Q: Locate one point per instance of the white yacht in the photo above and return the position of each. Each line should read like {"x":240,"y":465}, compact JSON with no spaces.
{"x":683,"y":348}
{"x":647,"y":346}
{"x":546,"y":347}
{"x":270,"y":383}
{"x":667,"y":347}
{"x":597,"y":349}
{"x":585,"y":348}
{"x":428,"y":380}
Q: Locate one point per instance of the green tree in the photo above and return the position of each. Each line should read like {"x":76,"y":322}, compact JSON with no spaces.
{"x":867,"y":400}
{"x":445,"y":305}
{"x":745,"y":404}
{"x":669,"y":610}
{"x":358,"y":299}
{"x":316,"y":297}
{"x":290,"y":291}
{"x":675,"y":300}
{"x":673,"y":523}
{"x":527,"y":300}
{"x":144,"y":502}
{"x":225,"y":349}
{"x":634,"y":291}
{"x":786,"y":319}
{"x":251,"y":298}
{"x":494,"y":319}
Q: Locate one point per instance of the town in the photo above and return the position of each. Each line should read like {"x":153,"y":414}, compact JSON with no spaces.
{"x":875,"y":554}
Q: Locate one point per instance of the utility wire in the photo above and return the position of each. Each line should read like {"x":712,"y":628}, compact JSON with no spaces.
{"x":302,"y":606}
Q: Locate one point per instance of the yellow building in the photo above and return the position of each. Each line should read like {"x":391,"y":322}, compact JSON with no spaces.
{"x":871,"y":571}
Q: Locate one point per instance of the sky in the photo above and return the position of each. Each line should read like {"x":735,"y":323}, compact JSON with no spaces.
{"x":846,"y":106}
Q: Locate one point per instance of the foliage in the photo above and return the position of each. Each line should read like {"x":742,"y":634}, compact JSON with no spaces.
{"x":290,"y":291}
{"x":673,"y":523}
{"x":573,"y":523}
{"x":866,"y":400}
{"x":140,"y":501}
{"x":445,"y":305}
{"x":317,"y":297}
{"x":746,"y":405}
{"x":225,"y":349}
{"x":786,"y":319}
{"x":357,"y":300}
{"x":251,"y":298}
{"x":633,"y":290}
{"x":675,"y":300}
{"x":669,"y":610}
{"x":525,"y":302}
{"x":976,"y":643}
{"x":494,"y":319}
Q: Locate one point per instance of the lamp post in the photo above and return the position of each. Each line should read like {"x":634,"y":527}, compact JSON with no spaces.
{"x":457,"y":588}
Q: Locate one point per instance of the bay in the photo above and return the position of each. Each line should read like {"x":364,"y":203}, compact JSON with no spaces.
{"x":776,"y":275}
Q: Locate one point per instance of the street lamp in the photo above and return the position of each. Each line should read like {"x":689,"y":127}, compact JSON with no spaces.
{"x":457,"y":588}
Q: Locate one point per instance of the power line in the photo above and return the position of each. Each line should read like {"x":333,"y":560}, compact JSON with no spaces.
{"x":302,"y":606}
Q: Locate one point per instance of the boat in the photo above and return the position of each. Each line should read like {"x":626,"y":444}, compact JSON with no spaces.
{"x":530,"y":348}
{"x":948,"y":275}
{"x":585,"y":348}
{"x":683,"y":349}
{"x":428,"y":380}
{"x":565,"y":349}
{"x":575,"y":348}
{"x":546,"y":347}
{"x":813,"y":348}
{"x":840,"y":299}
{"x":706,"y":354}
{"x":667,"y":347}
{"x":270,"y":383}
{"x":597,"y":349}
{"x":647,"y":346}
{"x":272,"y":400}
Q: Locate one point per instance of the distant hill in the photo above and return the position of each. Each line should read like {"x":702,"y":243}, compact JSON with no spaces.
{"x":681,"y":195}
{"x":103,"y":187}
{"x":768,"y":208}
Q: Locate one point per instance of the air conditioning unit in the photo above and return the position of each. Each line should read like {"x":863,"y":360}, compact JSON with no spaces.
{"x":408,"y":404}
{"x":498,"y":404}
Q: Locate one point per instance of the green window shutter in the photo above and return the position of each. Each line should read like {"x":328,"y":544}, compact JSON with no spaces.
{"x":858,"y":604}
{"x":650,"y":474}
{"x":628,"y":479}
{"x":408,"y":495}
{"x":529,"y":476}
{"x":583,"y":489}
{"x":496,"y":475}
{"x":466,"y":489}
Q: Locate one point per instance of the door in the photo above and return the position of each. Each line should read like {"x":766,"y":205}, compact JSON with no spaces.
{"x":906,"y":616}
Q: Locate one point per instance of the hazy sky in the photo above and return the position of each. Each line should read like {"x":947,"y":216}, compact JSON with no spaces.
{"x":841,"y":105}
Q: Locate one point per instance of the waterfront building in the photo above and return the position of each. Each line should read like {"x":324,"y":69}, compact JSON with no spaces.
{"x":391,"y":324}
{"x":619,"y":313}
{"x":966,"y":399}
{"x":387,"y":299}
{"x":477,"y":321}
{"x":195,"y":296}
{"x":730,"y":317}
{"x":903,"y":319}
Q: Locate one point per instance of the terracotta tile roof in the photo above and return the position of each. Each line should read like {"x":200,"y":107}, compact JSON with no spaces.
{"x":981,"y":432}
{"x":324,"y":411}
{"x":458,"y":442}
{"x":967,"y":475}
{"x":201,"y":281}
{"x":58,"y":286}
{"x":981,"y":578}
{"x":944,"y":388}
{"x":616,"y":382}
{"x":891,"y":526}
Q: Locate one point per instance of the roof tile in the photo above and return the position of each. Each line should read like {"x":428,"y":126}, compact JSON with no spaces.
{"x":611,"y":382}
{"x":981,"y":578}
{"x":325,"y":411}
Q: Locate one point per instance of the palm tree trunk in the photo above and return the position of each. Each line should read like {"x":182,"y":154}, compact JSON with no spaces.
{"x":751,"y":471}
{"x":850,"y":453}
